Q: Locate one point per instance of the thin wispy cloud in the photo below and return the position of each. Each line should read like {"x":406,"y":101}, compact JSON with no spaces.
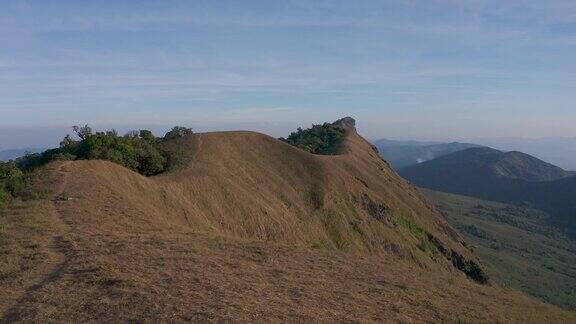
{"x":65,"y":61}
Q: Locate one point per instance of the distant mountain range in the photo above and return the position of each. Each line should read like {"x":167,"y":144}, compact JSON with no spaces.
{"x":384,"y":142}
{"x":560,"y":151}
{"x":402,"y":154}
{"x":7,"y":155}
{"x":511,"y":177}
{"x":481,"y":165}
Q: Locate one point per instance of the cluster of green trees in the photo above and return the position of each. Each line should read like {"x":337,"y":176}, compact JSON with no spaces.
{"x":319,"y":139}
{"x":139,"y":150}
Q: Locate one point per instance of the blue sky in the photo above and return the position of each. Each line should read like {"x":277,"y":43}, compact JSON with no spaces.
{"x":404,"y":69}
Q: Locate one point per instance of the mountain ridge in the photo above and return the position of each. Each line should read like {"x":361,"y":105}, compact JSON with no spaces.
{"x":248,"y":227}
{"x":481,"y":166}
{"x":403,"y":154}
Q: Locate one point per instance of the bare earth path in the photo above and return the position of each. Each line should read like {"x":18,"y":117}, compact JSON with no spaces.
{"x":53,"y":248}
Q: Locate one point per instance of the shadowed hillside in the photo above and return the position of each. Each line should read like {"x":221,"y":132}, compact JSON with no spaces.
{"x":511,"y":177}
{"x":481,"y":172}
{"x":477,"y":169}
{"x":555,"y":197}
{"x":246,"y":228}
{"x":518,"y":246}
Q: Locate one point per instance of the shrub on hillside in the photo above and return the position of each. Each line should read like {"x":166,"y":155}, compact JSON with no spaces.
{"x":140,"y":150}
{"x":107,"y":146}
{"x":178,"y":132}
{"x":319,"y":139}
{"x":10,"y":177}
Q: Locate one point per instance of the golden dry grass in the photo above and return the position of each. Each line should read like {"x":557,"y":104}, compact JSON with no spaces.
{"x":249,"y":229}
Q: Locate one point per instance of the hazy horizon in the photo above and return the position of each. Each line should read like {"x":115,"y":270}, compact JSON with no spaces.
{"x":15,"y":137}
{"x":560,"y":151}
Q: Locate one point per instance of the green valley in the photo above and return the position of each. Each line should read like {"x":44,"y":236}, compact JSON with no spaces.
{"x":516,"y":245}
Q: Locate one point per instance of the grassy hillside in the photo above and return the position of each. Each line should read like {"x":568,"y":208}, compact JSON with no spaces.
{"x":64,"y":276}
{"x":248,"y":228}
{"x":517,"y":246}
